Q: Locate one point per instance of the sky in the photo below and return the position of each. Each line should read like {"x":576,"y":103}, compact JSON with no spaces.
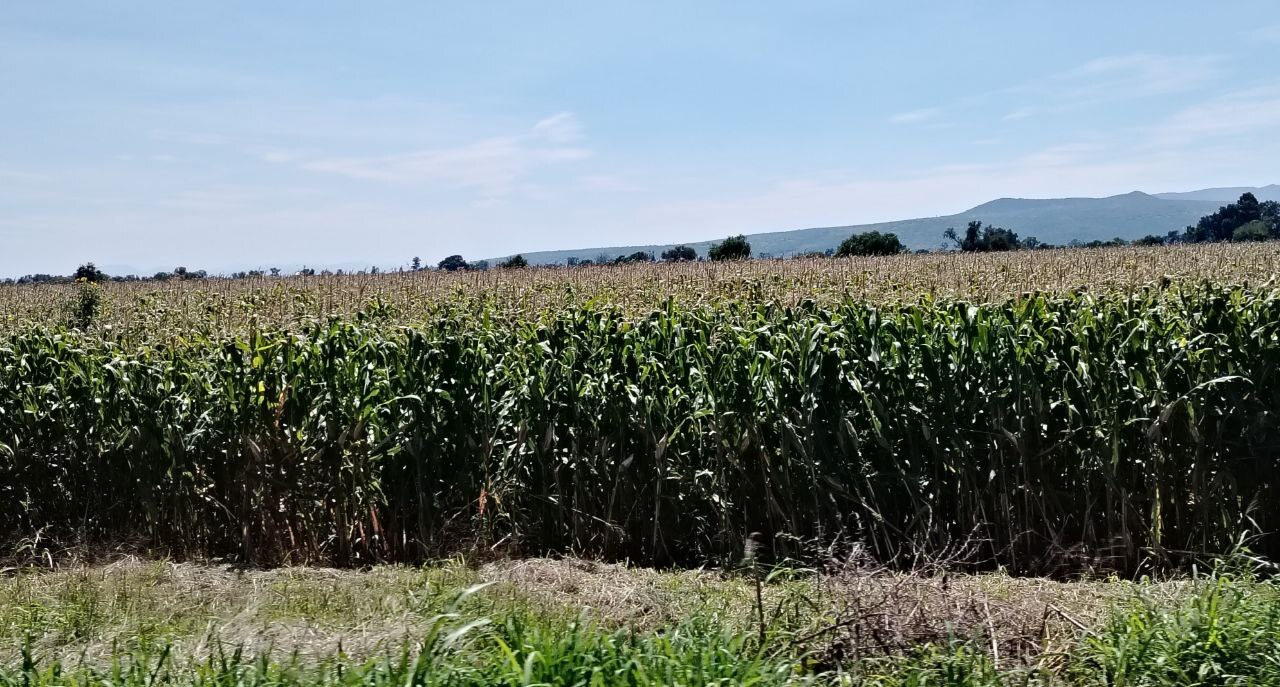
{"x":230,"y":135}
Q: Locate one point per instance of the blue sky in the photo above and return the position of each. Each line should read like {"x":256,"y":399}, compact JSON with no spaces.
{"x":238,"y":134}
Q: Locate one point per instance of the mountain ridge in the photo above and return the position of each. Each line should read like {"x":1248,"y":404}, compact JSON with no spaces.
{"x":1050,"y":220}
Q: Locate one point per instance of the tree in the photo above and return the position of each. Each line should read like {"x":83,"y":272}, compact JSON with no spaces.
{"x":679,"y":254}
{"x":1149,"y":240}
{"x":90,"y":273}
{"x":980,"y":239}
{"x":1222,"y":225}
{"x":416,"y":264}
{"x":306,"y":272}
{"x":453,"y":263}
{"x":870,"y":243}
{"x":732,"y":248}
{"x":514,"y":262}
{"x":1269,"y":212}
{"x":275,"y":271}
{"x":638,"y":256}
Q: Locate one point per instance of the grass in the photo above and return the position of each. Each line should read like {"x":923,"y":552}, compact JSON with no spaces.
{"x":573,"y":622}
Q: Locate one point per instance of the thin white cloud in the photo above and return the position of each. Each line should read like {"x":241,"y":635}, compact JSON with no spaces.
{"x":188,"y":137}
{"x":608,"y":182}
{"x":1264,"y":34}
{"x":1111,"y":79}
{"x":1099,"y":81}
{"x":916,"y":116}
{"x":494,"y":164}
{"x":1254,"y":112}
{"x":559,"y":128}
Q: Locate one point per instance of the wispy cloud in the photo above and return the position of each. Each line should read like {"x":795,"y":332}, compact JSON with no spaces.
{"x":1099,"y":81}
{"x":608,"y":182}
{"x":559,"y":128}
{"x":188,"y":137}
{"x":1254,"y":112}
{"x":493,"y":164}
{"x":1111,"y":79}
{"x":916,"y":116}
{"x":1264,"y":34}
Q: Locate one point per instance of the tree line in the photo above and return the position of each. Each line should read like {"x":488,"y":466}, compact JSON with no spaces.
{"x":1247,"y":219}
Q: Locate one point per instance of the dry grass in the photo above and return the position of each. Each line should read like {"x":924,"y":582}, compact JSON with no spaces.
{"x":90,"y":612}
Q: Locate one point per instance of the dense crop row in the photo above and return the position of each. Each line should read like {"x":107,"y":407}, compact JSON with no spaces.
{"x":1037,"y":432}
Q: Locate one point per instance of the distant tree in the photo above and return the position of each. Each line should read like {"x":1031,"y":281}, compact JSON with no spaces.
{"x":452,"y":263}
{"x":1149,"y":240}
{"x":306,"y":272}
{"x":275,"y":271}
{"x":416,"y":264}
{"x":162,"y":276}
{"x":870,"y":243}
{"x":1222,"y":225}
{"x":43,"y":279}
{"x":980,"y":239}
{"x":1031,"y":243}
{"x":638,"y":256}
{"x":90,"y":273}
{"x":373,"y":269}
{"x":514,"y":262}
{"x":1098,"y":243}
{"x":732,"y":248}
{"x":1269,"y":212}
{"x":679,"y":254}
{"x":604,"y":259}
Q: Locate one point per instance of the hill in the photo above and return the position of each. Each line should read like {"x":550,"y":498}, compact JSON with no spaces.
{"x":1226,"y":194}
{"x":1053,"y":220}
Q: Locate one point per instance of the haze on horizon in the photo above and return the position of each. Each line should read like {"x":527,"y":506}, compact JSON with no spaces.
{"x":244,"y":134}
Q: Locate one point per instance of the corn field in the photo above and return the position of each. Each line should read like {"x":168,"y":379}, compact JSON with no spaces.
{"x":144,"y":311}
{"x":662,"y":414}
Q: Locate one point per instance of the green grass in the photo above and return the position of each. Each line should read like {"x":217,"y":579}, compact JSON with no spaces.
{"x":518,"y":623}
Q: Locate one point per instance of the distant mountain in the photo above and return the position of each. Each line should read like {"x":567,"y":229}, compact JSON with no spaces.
{"x":1055,"y":220}
{"x":1226,"y":195}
